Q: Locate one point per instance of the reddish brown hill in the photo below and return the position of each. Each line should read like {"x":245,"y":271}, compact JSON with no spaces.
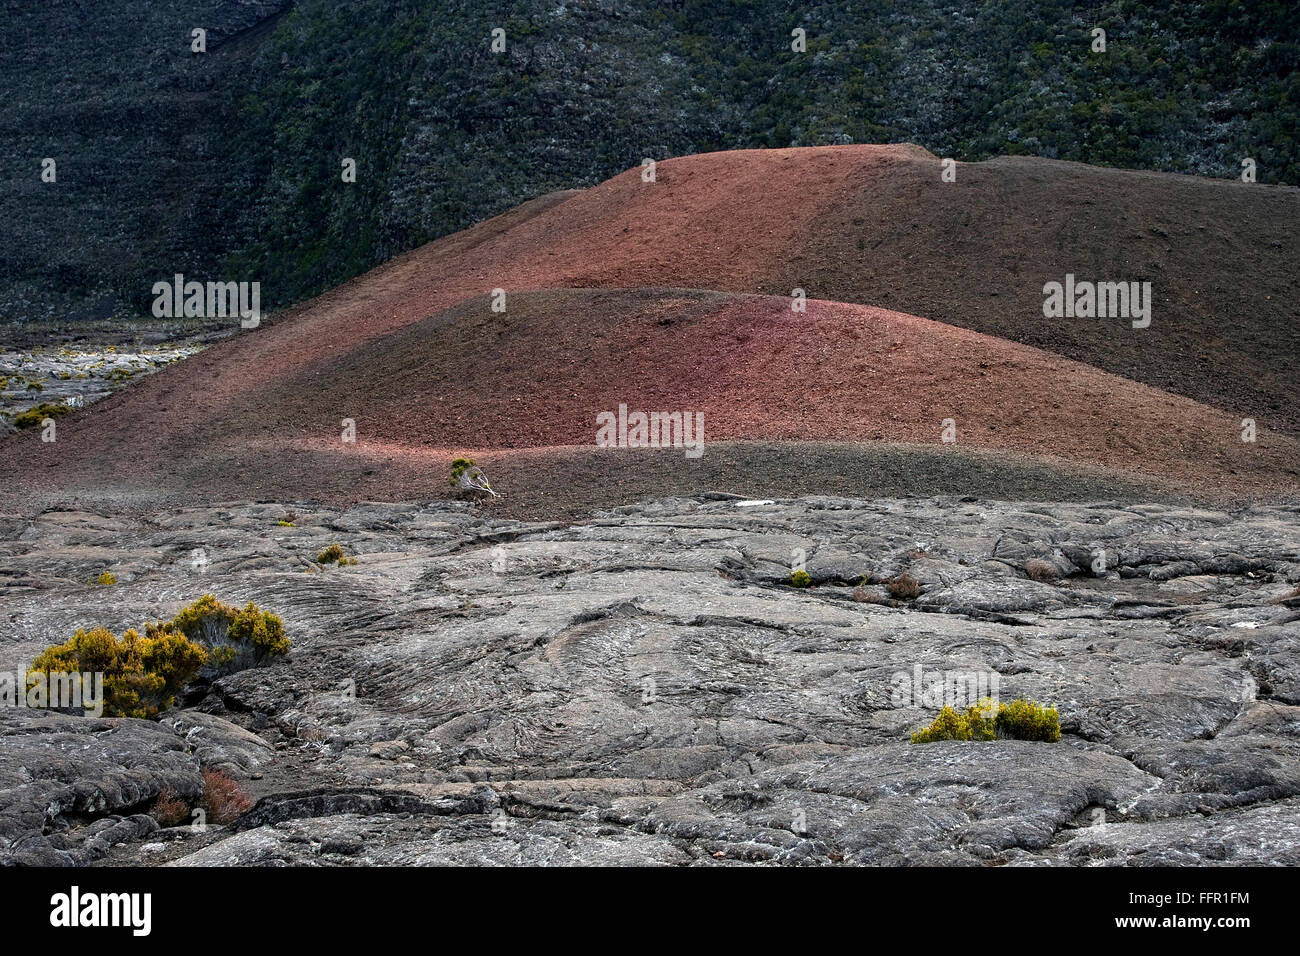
{"x":469,"y":380}
{"x":1222,"y":258}
{"x":864,"y":223}
{"x":539,"y":374}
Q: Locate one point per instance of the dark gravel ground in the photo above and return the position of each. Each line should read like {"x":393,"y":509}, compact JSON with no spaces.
{"x":572,"y":482}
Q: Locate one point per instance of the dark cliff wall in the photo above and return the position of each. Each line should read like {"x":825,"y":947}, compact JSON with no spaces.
{"x":227,"y":164}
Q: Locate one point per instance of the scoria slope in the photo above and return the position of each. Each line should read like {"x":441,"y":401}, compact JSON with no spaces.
{"x":260,"y":414}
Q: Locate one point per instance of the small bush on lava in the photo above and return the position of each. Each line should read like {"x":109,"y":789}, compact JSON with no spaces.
{"x":141,"y":675}
{"x":1019,"y":720}
{"x":38,"y":413}
{"x":236,"y":638}
{"x":468,"y":476}
{"x":1027,"y":720}
{"x":904,"y":587}
{"x":223,"y":799}
{"x":1040,"y":570}
{"x":334,"y":553}
{"x":169,"y":810}
{"x":954,"y":725}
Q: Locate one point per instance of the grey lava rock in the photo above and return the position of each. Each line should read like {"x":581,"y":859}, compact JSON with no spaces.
{"x":677,"y":701}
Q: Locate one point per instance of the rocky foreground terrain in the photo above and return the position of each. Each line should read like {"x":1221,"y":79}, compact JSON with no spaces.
{"x":646,"y":687}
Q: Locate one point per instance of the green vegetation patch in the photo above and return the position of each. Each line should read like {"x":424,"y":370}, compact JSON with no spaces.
{"x":143,"y":675}
{"x":334,"y":554}
{"x":1019,"y":720}
{"x":38,"y":413}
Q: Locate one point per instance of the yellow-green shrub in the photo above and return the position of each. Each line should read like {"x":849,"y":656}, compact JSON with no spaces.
{"x":141,"y":675}
{"x":466,"y":475}
{"x":234,"y":637}
{"x":38,"y":413}
{"x":1019,"y":720}
{"x":1027,"y":720}
{"x":800,"y":579}
{"x":331,"y":554}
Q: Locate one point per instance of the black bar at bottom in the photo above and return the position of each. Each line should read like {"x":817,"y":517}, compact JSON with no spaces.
{"x":334,"y":905}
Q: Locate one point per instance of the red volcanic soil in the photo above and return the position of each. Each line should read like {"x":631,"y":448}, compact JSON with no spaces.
{"x":412,"y":352}
{"x":539,"y":374}
{"x":469,"y":380}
